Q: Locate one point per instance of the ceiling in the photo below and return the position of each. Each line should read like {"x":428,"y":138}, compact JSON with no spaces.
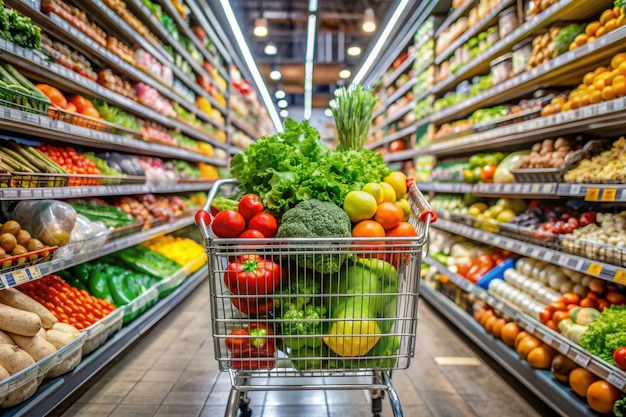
{"x":339,"y":25}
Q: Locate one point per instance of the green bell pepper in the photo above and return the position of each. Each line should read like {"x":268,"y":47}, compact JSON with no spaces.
{"x":309,"y":358}
{"x":99,"y":285}
{"x":119,"y":291}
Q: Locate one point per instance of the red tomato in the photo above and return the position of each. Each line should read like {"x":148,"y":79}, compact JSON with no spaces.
{"x":619,"y":356}
{"x":486,"y":172}
{"x":251,"y":234}
{"x":229,"y":223}
{"x":570,"y":298}
{"x":545,"y":315}
{"x":202,"y":215}
{"x":249,"y":205}
{"x":264,"y":223}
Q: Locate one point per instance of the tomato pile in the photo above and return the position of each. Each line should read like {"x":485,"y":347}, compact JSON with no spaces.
{"x":68,"y":304}
{"x":73,"y":163}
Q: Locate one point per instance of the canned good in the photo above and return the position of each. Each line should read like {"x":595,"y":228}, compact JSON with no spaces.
{"x":508,"y":21}
{"x":501,"y":68}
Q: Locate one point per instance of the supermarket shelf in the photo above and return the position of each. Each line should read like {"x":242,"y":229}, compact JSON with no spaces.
{"x":400,"y":92}
{"x":213,"y":27}
{"x":596,"y":117}
{"x":201,"y":19}
{"x":235,"y":150}
{"x":406,"y":64}
{"x":121,"y":66}
{"x":32,"y":63}
{"x":485,"y":23}
{"x":565,"y":346}
{"x":454,"y":15}
{"x":564,"y":10}
{"x":398,"y":156}
{"x":153,"y":24}
{"x":244,"y":126}
{"x":52,"y":393}
{"x":113,"y":21}
{"x":23,"y":123}
{"x":540,"y":383}
{"x":184,"y":28}
{"x":565,"y":70}
{"x":396,"y":135}
{"x":397,"y":115}
{"x":612,"y":193}
{"x":94,"y":191}
{"x":423,"y":68}
{"x":34,"y":272}
{"x":591,"y":267}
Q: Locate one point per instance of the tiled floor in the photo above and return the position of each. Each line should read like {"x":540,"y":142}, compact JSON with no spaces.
{"x":171,"y":372}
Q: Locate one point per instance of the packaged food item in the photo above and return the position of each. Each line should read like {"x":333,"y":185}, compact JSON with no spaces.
{"x":508,"y":21}
{"x":501,"y":68}
{"x":522,"y":53}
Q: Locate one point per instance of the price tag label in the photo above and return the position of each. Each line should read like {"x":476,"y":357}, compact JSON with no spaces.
{"x":608,"y":194}
{"x":575,"y":190}
{"x":548,"y":338}
{"x":592,"y":194}
{"x":619,"y":277}
{"x":562,"y":347}
{"x":594,"y":269}
{"x":616,"y":380}
{"x":23,"y":275}
{"x":582,"y":359}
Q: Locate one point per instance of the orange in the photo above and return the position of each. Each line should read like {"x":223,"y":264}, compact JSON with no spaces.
{"x":368,"y":228}
{"x":619,"y":79}
{"x":580,"y":379}
{"x":588,"y":78}
{"x":389,"y":215}
{"x":595,"y":97}
{"x":581,"y":39}
{"x":496,"y":330}
{"x":402,"y":229}
{"x":489,"y":323}
{"x":598,"y":83}
{"x":527,"y":344}
{"x":607,"y":93}
{"x":601,"y":31}
{"x":519,"y":337}
{"x":601,"y":396}
{"x":592,"y":28}
{"x":618,"y":59}
{"x":606,"y":16}
{"x":619,"y":89}
{"x":541,"y":357}
{"x":509,"y":333}
{"x":610,"y":25}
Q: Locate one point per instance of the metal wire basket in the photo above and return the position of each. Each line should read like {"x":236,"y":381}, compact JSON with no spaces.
{"x":333,"y":307}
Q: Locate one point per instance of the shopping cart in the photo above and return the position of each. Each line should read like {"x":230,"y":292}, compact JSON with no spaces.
{"x":346,"y":327}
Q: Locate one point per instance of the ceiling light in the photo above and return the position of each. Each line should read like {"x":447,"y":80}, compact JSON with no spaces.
{"x":312,"y":6}
{"x":380,"y":42}
{"x":260,"y":27}
{"x":328,"y":113}
{"x":270,"y":49}
{"x":345,"y":73}
{"x":282,"y":103}
{"x":251,"y":64}
{"x":337,"y":92}
{"x":280,"y":94}
{"x":275,"y":75}
{"x":308,"y":65}
{"x":369,"y":20}
{"x":284,"y":113}
{"x":354,"y":50}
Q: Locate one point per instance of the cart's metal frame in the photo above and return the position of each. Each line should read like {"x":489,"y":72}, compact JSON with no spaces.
{"x":396,"y":307}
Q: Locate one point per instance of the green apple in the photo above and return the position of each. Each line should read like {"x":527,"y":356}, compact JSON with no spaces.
{"x":375,"y":190}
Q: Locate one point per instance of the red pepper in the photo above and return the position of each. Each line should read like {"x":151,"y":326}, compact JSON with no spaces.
{"x":253,"y":306}
{"x":255,"y":342}
{"x":251,"y":275}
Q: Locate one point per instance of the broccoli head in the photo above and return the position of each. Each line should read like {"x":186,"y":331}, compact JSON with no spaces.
{"x":315,"y":219}
{"x":305,"y":322}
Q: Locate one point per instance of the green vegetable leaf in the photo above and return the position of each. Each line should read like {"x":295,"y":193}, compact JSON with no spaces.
{"x":606,"y":334}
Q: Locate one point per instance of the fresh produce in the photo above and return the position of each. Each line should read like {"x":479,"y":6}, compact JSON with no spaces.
{"x":115,"y":83}
{"x":16,"y":299}
{"x":251,"y":274}
{"x":280,"y":169}
{"x":68,"y":304}
{"x":19,"y":90}
{"x":19,"y":29}
{"x":249,"y":205}
{"x":353,"y":116}
{"x":553,"y":43}
{"x":602,"y":396}
{"x":73,"y":163}
{"x":264,"y":223}
{"x":228,"y":224}
{"x":136,"y":209}
{"x":150,"y":97}
{"x":609,"y":20}
{"x":117,"y":116}
{"x":145,"y":261}
{"x":606,"y":166}
{"x":99,"y":210}
{"x":606,"y":333}
{"x":18,"y":246}
{"x":63,"y":55}
{"x":19,"y":321}
{"x":316,"y":219}
{"x":482,"y":167}
{"x":76,"y":18}
{"x":252,"y":347}
{"x":619,"y":357}
{"x":182,"y":250}
{"x":561,"y":367}
{"x":547,"y":154}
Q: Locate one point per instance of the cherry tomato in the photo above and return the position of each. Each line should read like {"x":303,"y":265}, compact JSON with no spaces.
{"x":249,"y":205}
{"x":619,"y":356}
{"x":251,"y":233}
{"x":264,"y":223}
{"x":202,"y":215}
{"x":229,"y":223}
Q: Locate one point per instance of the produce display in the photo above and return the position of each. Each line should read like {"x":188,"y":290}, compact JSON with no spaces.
{"x":16,"y":90}
{"x":553,"y":43}
{"x":609,"y":20}
{"x":19,"y":29}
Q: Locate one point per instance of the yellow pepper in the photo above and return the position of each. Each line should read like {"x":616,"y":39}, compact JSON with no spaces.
{"x":208,"y":171}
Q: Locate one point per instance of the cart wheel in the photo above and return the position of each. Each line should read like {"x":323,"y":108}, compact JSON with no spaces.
{"x":245,"y":411}
{"x":377,"y":406}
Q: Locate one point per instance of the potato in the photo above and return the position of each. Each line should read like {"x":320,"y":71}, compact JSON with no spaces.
{"x":18,"y":321}
{"x":20,"y":394}
{"x":4,"y":374}
{"x":14,"y":359}
{"x":66,"y":365}
{"x":36,"y":346}
{"x":17,"y":299}
{"x":5,"y":339}
{"x":59,"y":338}
{"x":66,"y":328}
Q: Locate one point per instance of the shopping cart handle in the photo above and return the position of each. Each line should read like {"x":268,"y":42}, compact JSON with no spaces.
{"x":204,"y":216}
{"x":424,"y":216}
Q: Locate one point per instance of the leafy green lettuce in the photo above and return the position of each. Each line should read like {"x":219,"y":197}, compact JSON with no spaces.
{"x":296,"y":165}
{"x":607,"y":333}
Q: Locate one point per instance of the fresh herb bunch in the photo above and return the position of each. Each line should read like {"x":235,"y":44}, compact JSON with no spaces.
{"x":353,"y":116}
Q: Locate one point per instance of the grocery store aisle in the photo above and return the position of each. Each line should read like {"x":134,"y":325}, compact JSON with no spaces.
{"x":171,"y":372}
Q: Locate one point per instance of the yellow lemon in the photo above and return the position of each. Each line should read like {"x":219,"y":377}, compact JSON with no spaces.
{"x":359,"y":205}
{"x":389,"y":193}
{"x":375,"y":190}
{"x":406,"y":208}
{"x":398,"y":181}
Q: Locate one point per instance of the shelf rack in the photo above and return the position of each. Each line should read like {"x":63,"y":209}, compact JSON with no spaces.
{"x":53,"y":392}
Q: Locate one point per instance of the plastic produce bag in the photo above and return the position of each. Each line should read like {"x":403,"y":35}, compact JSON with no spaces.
{"x":86,"y":235}
{"x":50,"y":221}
